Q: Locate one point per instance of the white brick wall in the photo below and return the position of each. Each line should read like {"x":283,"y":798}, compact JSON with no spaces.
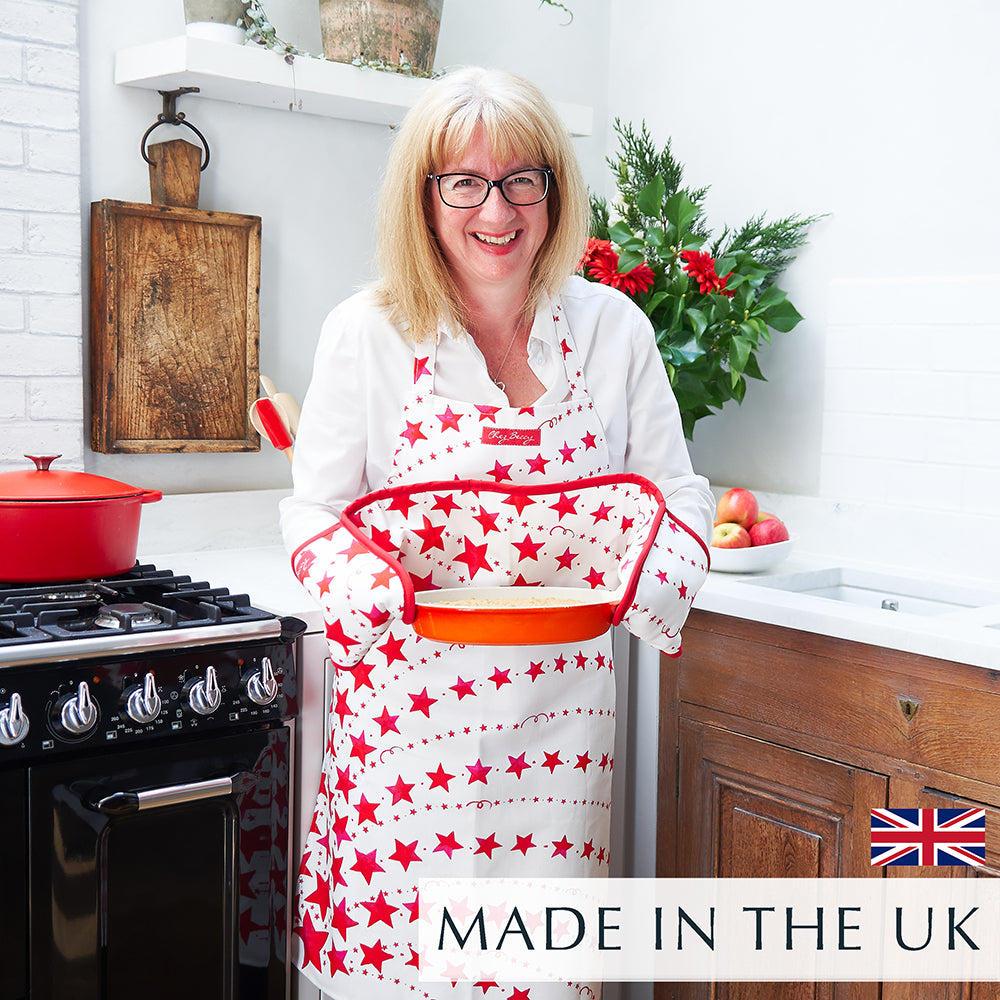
{"x":41,"y":324}
{"x":911,"y":412}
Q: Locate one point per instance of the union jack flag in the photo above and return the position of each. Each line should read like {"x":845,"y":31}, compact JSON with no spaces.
{"x":929,"y":837}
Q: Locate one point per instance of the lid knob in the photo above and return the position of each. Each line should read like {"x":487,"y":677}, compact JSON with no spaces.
{"x":42,"y":462}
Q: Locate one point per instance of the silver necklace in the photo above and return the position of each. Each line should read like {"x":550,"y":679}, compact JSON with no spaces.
{"x":496,"y":378}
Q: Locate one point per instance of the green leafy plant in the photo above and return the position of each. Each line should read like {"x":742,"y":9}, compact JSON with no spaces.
{"x":712,"y":301}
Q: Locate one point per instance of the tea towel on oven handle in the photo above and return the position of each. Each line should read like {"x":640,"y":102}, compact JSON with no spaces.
{"x":359,"y":587}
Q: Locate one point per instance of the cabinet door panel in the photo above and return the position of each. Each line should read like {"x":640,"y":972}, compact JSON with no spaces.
{"x":751,"y":809}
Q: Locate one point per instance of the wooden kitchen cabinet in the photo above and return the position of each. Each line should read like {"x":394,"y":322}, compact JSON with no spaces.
{"x":775,"y":744}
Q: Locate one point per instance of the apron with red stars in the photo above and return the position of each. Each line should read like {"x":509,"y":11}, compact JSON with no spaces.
{"x":467,"y":761}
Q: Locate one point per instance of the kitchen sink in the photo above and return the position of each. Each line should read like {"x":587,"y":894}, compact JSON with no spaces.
{"x":881,"y":591}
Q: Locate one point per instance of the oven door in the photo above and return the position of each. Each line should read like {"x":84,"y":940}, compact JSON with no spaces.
{"x":161,"y":873}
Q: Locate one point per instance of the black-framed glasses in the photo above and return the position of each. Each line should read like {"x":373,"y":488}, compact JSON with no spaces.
{"x":523,"y":187}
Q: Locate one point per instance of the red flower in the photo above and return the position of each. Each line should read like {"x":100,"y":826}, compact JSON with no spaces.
{"x":701,"y":267}
{"x":601,"y":262}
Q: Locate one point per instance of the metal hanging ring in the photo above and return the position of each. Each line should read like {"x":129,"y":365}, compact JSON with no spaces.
{"x":180,"y":120}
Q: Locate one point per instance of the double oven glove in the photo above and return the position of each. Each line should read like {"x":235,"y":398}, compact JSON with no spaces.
{"x":360,"y":593}
{"x":674,"y":570}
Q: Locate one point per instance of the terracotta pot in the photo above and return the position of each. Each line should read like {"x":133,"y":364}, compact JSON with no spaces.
{"x":381,"y":29}
{"x":60,"y":526}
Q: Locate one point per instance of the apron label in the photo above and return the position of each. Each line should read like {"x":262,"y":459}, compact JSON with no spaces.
{"x":530,"y":436}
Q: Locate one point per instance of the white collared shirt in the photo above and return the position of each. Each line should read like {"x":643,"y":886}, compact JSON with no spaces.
{"x":363,"y":375}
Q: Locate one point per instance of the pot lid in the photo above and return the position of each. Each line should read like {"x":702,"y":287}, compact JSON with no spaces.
{"x":44,"y":484}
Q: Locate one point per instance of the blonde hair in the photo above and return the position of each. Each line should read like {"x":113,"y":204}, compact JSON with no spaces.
{"x":415,"y":286}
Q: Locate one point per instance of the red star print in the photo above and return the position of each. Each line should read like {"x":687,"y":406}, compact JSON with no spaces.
{"x":383,"y":539}
{"x":439,"y":778}
{"x":320,"y":895}
{"x":487,"y":845}
{"x":342,"y":708}
{"x":534,"y":670}
{"x":403,"y":502}
{"x":478,"y":771}
{"x":537,"y":464}
{"x":583,"y":761}
{"x":379,"y":910}
{"x":517,"y":765}
{"x":445,"y":503}
{"x":462,"y":688}
{"x":601,"y":514}
{"x":600,"y":854}
{"x":339,"y":828}
{"x":594,"y":578}
{"x":589,"y":440}
{"x":405,"y":854}
{"x":414,"y":908}
{"x":588,"y":849}
{"x":561,"y":847}
{"x":519,"y":501}
{"x":335,"y":633}
{"x":324,"y":585}
{"x":552,"y":761}
{"x":366,"y":810}
{"x":565,"y":348}
{"x":627,"y":523}
{"x":387,"y":722}
{"x":581,"y":661}
{"x":375,"y":955}
{"x":359,"y":748}
{"x":312,"y":941}
{"x":528,"y":548}
{"x":356,"y":548}
{"x":392,"y":649}
{"x":344,"y":783}
{"x":488,"y":413}
{"x":413,"y":433}
{"x":448,"y":844}
{"x":400,"y":791}
{"x":487,"y":520}
{"x":367,"y":865}
{"x":567,"y":452}
{"x":449,"y":419}
{"x":474,"y":557}
{"x":560,"y":663}
{"x":520,"y":995}
{"x":523,"y":844}
{"x":422,"y":703}
{"x":420,"y":367}
{"x":566,"y":559}
{"x":566,"y":505}
{"x":414,"y":958}
{"x":484,"y":986}
{"x":430,"y":536}
{"x":500,"y":677}
{"x":359,"y":675}
{"x":342,"y":923}
{"x":500,"y":472}
{"x":382,"y":578}
{"x":604,"y":762}
{"x":376,"y":616}
{"x":661,"y":576}
{"x":682,"y":590}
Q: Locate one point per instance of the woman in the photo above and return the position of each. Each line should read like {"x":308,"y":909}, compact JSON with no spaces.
{"x":476,"y":322}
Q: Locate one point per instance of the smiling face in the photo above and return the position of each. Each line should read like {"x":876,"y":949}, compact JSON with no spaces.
{"x":490,"y":248}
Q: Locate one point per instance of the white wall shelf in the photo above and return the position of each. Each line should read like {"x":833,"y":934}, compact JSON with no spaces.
{"x":250,"y":74}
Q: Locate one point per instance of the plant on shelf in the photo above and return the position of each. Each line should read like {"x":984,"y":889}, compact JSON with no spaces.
{"x":712,"y":300}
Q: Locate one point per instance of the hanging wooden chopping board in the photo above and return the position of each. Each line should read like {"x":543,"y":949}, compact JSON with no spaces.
{"x":174,"y":326}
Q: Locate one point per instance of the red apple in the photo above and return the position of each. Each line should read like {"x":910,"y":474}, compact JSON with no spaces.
{"x":730,"y":536}
{"x":768,"y":532}
{"x":737,"y":505}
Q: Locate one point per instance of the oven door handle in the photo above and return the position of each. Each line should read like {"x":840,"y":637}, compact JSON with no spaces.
{"x":126,"y":803}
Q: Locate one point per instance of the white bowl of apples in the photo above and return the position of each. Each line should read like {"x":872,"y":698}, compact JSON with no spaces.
{"x":746,"y":539}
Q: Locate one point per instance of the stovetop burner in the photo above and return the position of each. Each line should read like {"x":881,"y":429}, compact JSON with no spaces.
{"x":145,"y":606}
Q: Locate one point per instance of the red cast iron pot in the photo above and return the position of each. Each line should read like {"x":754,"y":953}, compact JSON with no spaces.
{"x":60,"y":526}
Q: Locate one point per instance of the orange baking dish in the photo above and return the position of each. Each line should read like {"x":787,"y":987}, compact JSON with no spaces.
{"x":486,"y":616}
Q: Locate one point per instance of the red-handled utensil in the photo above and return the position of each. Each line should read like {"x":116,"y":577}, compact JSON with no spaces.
{"x":268,"y":422}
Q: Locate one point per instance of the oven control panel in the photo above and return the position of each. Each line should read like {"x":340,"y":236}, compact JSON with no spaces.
{"x":54,"y":708}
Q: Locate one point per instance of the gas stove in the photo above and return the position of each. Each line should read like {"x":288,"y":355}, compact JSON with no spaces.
{"x":148,"y":655}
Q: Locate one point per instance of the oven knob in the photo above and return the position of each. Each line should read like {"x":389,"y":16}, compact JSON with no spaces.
{"x":142,"y":702}
{"x":78,"y":713}
{"x":13,"y":722}
{"x":261,"y":686}
{"x":204,"y":695}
